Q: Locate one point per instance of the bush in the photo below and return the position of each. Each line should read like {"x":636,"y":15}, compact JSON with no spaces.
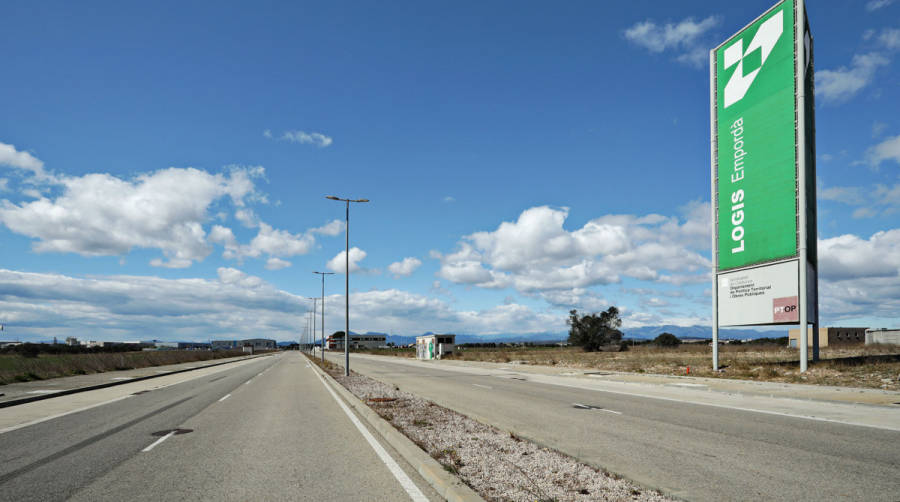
{"x":667,"y":340}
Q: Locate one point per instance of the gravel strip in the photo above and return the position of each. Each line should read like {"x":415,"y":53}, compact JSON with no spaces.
{"x":496,"y":464}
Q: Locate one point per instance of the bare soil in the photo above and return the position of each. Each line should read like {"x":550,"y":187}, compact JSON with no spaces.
{"x":498,"y":465}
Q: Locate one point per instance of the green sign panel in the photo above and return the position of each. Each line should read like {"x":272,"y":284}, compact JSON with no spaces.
{"x":755,"y":165}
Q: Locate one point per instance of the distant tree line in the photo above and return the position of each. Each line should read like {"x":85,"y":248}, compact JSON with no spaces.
{"x":33,"y":349}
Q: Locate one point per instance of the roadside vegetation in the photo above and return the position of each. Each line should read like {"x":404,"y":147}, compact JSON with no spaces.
{"x":870,"y":366}
{"x":34,"y":363}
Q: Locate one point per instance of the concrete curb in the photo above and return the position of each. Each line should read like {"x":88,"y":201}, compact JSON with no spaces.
{"x":446,"y":484}
{"x":68,"y":392}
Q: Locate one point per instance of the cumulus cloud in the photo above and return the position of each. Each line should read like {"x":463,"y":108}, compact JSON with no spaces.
{"x":339,"y":263}
{"x":684,"y":37}
{"x":404,"y":268}
{"x":277,"y":264}
{"x":304,"y":138}
{"x":4,"y":185}
{"x":889,"y":149}
{"x":845,"y":82}
{"x":332,"y":228}
{"x":11,"y":157}
{"x":536,"y":253}
{"x":100,"y":214}
{"x":850,"y":257}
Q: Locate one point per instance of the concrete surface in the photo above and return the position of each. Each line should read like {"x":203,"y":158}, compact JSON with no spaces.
{"x":262,"y":429}
{"x":693,"y":443}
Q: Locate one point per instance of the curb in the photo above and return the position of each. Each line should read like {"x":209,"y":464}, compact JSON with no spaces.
{"x":68,"y":392}
{"x":447,"y":485}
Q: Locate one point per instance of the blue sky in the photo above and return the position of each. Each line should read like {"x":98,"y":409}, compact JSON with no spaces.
{"x":163,"y":167}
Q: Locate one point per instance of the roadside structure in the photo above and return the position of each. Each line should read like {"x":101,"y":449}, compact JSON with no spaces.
{"x":829,"y":336}
{"x":883,"y":335}
{"x":430,"y":347}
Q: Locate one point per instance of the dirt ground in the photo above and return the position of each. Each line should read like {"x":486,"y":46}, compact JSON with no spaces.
{"x":873,"y":366}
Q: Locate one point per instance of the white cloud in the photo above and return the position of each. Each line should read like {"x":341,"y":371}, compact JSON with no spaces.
{"x":874,"y":5}
{"x":11,"y":157}
{"x":4,"y":185}
{"x":277,"y":264}
{"x":267,"y":134}
{"x":304,"y":138}
{"x":845,"y":82}
{"x":535,"y":253}
{"x":332,"y":228}
{"x":100,"y":214}
{"x":404,"y":268}
{"x":890,"y":38}
{"x":338,"y":263}
{"x":449,"y":198}
{"x":850,"y":257}
{"x":279,"y":243}
{"x":684,"y":37}
{"x":889,"y":149}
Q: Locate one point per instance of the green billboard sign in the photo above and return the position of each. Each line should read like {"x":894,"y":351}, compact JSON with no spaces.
{"x":755,"y":160}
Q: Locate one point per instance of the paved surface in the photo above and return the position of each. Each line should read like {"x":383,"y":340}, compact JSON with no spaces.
{"x":689,"y":442}
{"x":19,"y":390}
{"x":262,"y":429}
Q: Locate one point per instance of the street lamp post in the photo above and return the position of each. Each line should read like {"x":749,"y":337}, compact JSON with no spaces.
{"x":346,"y":280}
{"x":323,"y":274}
{"x":312,"y":335}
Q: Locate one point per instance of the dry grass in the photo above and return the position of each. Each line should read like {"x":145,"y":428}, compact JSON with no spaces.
{"x":16,"y":368}
{"x":872,"y":366}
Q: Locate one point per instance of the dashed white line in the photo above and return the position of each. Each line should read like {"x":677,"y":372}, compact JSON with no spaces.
{"x":411,"y":489}
{"x":158,"y":441}
{"x":44,"y":391}
{"x":590,"y":407}
{"x":226,"y":396}
{"x":248,"y":382}
{"x":482,"y":386}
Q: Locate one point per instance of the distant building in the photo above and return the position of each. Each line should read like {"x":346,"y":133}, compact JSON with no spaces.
{"x":256,"y":343}
{"x":434,"y":346}
{"x":883,"y":335}
{"x":71,"y":341}
{"x":829,"y":337}
{"x":336,"y":342}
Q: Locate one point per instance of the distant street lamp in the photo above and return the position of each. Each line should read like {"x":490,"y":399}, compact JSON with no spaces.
{"x":323,"y":274}
{"x":312,"y":336}
{"x":346,"y":280}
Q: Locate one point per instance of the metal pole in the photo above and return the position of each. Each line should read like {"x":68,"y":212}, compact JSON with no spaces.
{"x":801,"y":182}
{"x":713,"y":210}
{"x":323,"y":274}
{"x":347,"y":292}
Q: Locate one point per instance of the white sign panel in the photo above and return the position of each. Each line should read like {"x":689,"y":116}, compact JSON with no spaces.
{"x":764,"y":295}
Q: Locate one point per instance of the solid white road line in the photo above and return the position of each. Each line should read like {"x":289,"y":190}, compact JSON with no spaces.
{"x":589,"y":407}
{"x":226,"y":396}
{"x":51,"y":417}
{"x":482,"y":386}
{"x":158,"y":441}
{"x":411,"y":489}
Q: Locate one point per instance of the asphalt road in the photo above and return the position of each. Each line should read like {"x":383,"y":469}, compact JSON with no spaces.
{"x":266,"y":429}
{"x":689,"y":450}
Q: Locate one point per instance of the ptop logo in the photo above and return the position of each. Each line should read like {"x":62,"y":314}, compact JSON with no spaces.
{"x":765,"y":39}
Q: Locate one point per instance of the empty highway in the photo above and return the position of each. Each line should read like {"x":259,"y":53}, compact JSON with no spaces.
{"x":263,"y":429}
{"x":686,"y":449}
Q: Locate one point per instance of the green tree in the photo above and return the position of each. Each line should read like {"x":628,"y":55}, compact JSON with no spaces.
{"x":667,"y":340}
{"x":593,"y":331}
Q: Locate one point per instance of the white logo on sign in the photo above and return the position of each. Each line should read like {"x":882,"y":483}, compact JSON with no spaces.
{"x":765,"y":39}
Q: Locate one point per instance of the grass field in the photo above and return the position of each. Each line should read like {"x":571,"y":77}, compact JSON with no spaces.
{"x":873,"y":366}
{"x":16,"y":368}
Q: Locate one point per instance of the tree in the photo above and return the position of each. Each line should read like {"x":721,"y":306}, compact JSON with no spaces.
{"x":667,"y":340}
{"x":593,"y":331}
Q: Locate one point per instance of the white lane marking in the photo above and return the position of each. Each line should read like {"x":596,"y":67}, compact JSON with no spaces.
{"x":162,"y":371}
{"x":589,"y":407}
{"x":51,"y":417}
{"x":158,"y":441}
{"x":482,"y":386}
{"x":44,"y":391}
{"x":226,"y":396}
{"x":411,"y":489}
{"x":260,"y":374}
{"x":122,"y":378}
{"x":248,"y":382}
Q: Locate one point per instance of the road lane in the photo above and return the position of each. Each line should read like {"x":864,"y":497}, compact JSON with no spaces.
{"x":687,"y":450}
{"x":279,"y":436}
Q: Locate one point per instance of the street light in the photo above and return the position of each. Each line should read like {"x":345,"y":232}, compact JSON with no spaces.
{"x":346,"y":280}
{"x":323,"y":274}
{"x":312,"y":337}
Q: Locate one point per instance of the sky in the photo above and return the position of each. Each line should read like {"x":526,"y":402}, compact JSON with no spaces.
{"x":164,"y":166}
